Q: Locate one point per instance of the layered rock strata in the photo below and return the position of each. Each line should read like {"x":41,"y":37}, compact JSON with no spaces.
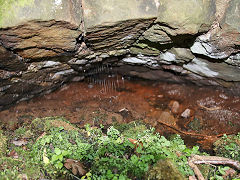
{"x":44,"y":44}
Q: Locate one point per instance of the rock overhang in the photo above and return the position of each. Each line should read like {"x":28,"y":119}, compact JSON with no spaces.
{"x":74,"y":35}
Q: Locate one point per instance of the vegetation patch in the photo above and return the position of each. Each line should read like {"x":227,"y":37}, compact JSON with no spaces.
{"x":52,"y":148}
{"x":228,"y":146}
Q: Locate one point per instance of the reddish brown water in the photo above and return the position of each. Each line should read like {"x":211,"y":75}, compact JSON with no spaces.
{"x":210,"y":113}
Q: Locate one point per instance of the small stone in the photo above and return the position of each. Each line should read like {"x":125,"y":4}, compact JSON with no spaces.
{"x":223,"y":96}
{"x":20,"y":142}
{"x":174,"y":106}
{"x":167,"y":118}
{"x":90,"y":86}
{"x":48,"y":64}
{"x":78,"y":78}
{"x":186,"y":113}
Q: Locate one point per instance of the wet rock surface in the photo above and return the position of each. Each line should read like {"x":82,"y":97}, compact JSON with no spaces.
{"x":39,"y":39}
{"x":186,"y":17}
{"x":44,"y":44}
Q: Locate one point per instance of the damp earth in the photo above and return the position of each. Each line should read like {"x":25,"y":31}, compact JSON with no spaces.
{"x":199,"y":114}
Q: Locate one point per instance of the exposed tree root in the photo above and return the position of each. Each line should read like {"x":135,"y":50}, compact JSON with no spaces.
{"x":196,"y":159}
{"x":200,"y":136}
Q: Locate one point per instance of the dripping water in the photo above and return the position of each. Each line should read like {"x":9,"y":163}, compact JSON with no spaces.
{"x":103,"y":75}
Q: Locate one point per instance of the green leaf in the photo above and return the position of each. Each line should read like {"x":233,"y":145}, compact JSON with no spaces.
{"x":109,"y":174}
{"x":134,"y":159}
{"x":57,"y":151}
{"x":48,"y":139}
{"x":59,"y":165}
{"x":222,"y":170}
{"x":115,"y":178}
{"x":60,"y":157}
{"x":121,"y":177}
{"x":219,"y":177}
{"x":181,"y":147}
{"x":195,"y":149}
{"x":54,"y":158}
{"x":65,"y":153}
{"x":139,"y":149}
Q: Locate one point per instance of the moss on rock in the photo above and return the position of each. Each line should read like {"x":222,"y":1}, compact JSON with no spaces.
{"x":165,"y":170}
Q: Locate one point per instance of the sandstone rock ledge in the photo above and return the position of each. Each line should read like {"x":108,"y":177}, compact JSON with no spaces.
{"x":45,"y":43}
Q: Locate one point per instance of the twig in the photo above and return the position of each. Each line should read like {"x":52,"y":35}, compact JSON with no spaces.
{"x":196,"y":159}
{"x":209,"y":109}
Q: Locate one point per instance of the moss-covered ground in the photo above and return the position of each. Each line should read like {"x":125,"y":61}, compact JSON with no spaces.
{"x":53,"y":148}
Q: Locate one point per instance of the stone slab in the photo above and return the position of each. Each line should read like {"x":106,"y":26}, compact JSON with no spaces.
{"x":17,"y":12}
{"x":214,"y":70}
{"x":97,"y":12}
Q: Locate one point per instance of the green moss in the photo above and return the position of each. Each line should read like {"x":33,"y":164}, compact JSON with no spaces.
{"x":134,"y":129}
{"x":165,"y":169}
{"x":106,"y":155}
{"x":144,"y":49}
{"x":45,"y":124}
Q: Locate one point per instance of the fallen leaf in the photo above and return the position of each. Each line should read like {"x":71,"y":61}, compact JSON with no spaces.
{"x":21,"y":142}
{"x":135,"y":142}
{"x":13,"y":154}
{"x":179,"y":154}
{"x":23,"y":177}
{"x":76,"y":166}
{"x":45,"y":158}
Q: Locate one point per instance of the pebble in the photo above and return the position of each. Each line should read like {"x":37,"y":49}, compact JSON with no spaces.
{"x":174,"y":106}
{"x":186,"y":113}
{"x":167,"y":118}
